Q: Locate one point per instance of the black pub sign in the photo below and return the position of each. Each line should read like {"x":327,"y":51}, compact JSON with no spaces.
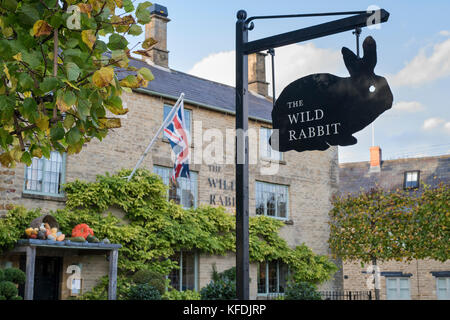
{"x":323,"y":110}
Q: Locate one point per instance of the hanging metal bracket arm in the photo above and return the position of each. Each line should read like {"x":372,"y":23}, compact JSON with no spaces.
{"x":321,"y":30}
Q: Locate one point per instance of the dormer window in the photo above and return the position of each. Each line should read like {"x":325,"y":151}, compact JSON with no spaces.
{"x":411,"y":180}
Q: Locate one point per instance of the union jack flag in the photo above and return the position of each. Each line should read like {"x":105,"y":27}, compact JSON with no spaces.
{"x":178,"y":137}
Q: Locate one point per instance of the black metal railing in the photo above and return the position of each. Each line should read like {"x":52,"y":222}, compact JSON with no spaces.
{"x":346,"y":295}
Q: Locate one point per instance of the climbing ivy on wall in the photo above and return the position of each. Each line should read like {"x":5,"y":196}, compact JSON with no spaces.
{"x":392,"y":225}
{"x":153,"y":229}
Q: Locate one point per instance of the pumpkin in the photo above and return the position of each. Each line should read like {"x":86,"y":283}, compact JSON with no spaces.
{"x":82,"y":230}
{"x":28,"y":232}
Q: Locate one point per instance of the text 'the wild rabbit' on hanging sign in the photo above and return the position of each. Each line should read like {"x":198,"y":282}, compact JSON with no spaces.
{"x":323,"y":110}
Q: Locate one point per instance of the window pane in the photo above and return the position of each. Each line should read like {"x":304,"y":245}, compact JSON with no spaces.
{"x":443,"y":288}
{"x":262,"y":277}
{"x":188,"y":271}
{"x":174,"y":275}
{"x":282,"y":209}
{"x":45,"y":175}
{"x":271,"y":199}
{"x":283,"y":276}
{"x":265,"y":149}
{"x":273,"y":277}
{"x":404,"y":283}
{"x":404,"y":294}
{"x":184,"y":192}
{"x":271,"y":204}
{"x":391,"y":294}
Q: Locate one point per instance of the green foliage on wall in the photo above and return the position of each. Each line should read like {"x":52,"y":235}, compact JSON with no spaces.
{"x":153,"y":229}
{"x":392,"y":225}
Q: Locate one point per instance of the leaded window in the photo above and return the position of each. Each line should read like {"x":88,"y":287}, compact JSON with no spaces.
{"x":184,"y":191}
{"x":272,"y":200}
{"x":46,"y":176}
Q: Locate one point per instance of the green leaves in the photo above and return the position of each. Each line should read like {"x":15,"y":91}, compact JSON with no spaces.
{"x":73,"y":71}
{"x":62,"y":100}
{"x":49,"y":84}
{"x":117,"y":42}
{"x":57,"y":133}
{"x":392,"y":225}
{"x":146,"y":74}
{"x":73,"y":136}
{"x":142,"y":14}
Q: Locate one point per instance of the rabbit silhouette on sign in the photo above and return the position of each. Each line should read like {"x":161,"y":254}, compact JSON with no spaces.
{"x":323,"y":110}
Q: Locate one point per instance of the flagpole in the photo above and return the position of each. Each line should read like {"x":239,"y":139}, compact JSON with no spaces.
{"x":164,"y":124}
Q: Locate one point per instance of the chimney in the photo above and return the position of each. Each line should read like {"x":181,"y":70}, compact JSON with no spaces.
{"x":257,"y":74}
{"x":375,"y":159}
{"x":157,"y":29}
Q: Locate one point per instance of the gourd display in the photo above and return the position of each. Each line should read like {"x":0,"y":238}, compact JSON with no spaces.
{"x":44,"y":232}
{"x":82,"y":230}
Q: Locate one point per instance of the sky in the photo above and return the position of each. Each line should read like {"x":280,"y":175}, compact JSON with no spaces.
{"x":413,"y":54}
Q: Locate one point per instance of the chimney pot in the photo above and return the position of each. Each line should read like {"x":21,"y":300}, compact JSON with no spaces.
{"x":375,"y":159}
{"x":157,"y":29}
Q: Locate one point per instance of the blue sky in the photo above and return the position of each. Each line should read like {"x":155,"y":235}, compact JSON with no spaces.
{"x":413,"y":53}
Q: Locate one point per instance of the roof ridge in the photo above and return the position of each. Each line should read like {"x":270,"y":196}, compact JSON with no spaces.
{"x":203,"y":79}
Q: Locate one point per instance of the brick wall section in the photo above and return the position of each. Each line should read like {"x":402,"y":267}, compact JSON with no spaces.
{"x":312,"y":177}
{"x":353,"y":177}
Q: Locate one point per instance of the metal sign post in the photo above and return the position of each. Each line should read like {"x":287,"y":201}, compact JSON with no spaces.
{"x":359,"y":19}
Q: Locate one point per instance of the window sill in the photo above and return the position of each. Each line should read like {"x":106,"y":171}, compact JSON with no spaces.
{"x":274,"y":161}
{"x":285,"y":220}
{"x":44,"y":197}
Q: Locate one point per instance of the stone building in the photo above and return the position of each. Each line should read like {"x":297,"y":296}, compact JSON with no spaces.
{"x":298,"y":191}
{"x":418,"y":279}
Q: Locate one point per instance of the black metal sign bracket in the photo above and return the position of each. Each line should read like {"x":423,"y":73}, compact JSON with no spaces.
{"x":359,"y":19}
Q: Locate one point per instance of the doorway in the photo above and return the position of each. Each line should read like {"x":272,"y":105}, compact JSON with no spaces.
{"x":47,"y":276}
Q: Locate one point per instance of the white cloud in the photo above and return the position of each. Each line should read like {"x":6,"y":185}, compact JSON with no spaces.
{"x":445,"y":33}
{"x":291,"y":62}
{"x":432,"y":123}
{"x":422,"y":68}
{"x":447,"y":127}
{"x":217,"y":67}
{"x":408,"y":106}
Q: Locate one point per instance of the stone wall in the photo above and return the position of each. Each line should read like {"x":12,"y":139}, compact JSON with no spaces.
{"x":422,"y":282}
{"x":312,"y":177}
{"x":356,"y":176}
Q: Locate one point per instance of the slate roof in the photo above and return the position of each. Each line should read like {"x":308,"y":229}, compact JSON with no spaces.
{"x":356,"y":175}
{"x":201,"y":91}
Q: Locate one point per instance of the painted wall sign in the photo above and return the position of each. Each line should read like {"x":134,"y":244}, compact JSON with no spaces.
{"x":220,"y":189}
{"x":323,"y":110}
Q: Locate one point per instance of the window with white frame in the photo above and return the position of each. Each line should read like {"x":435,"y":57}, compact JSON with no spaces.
{"x":272,"y":277}
{"x":184,"y":191}
{"x":398,"y":288}
{"x":411,"y":179}
{"x":443,"y":288}
{"x":272,"y":200}
{"x":185,"y":277}
{"x":265,"y":150}
{"x":46,"y":176}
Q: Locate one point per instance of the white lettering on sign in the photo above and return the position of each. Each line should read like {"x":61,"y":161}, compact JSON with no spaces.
{"x":309,"y":116}
{"x":295,"y":104}
{"x":312,"y":132}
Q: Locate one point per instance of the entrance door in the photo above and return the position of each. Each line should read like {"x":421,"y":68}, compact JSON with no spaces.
{"x":46,"y":278}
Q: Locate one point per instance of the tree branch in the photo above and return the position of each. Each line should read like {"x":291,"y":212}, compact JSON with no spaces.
{"x":55,"y":65}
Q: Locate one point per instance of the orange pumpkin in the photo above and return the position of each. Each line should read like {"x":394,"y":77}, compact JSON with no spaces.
{"x":82,"y":230}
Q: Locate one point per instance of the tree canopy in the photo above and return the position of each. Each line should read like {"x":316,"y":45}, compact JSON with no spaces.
{"x":58,"y":72}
